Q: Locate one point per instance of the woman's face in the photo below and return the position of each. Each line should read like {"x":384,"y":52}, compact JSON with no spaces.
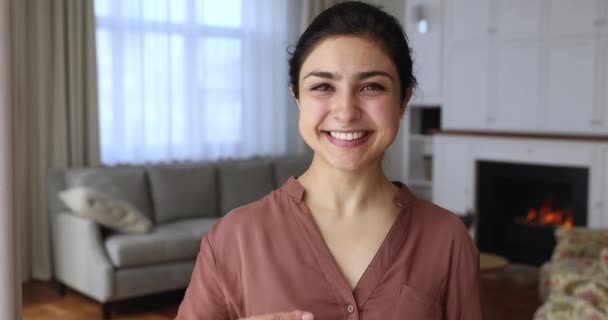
{"x":350,"y":103}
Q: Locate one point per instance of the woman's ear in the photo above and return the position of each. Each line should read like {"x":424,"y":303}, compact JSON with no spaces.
{"x":293,"y":95}
{"x":408,"y":96}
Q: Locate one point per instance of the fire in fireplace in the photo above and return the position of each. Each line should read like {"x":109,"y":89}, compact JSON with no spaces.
{"x":547,"y":214}
{"x":520,"y":205}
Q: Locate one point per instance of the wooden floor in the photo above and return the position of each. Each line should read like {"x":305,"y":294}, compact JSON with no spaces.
{"x":508,"y":294}
{"x":41,"y":301}
{"x":511,"y":293}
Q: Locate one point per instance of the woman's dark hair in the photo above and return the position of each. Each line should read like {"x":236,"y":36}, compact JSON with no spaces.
{"x":354,"y":18}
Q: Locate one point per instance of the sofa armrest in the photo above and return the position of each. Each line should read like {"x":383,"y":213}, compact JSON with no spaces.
{"x":79,"y":256}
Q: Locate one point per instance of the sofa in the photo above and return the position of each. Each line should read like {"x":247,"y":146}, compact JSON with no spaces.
{"x":574,"y":283}
{"x":182,"y":200}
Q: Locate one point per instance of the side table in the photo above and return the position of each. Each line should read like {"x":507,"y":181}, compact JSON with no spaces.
{"x":491,"y":262}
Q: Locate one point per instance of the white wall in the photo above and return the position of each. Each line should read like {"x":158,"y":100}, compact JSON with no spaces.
{"x":10,"y":282}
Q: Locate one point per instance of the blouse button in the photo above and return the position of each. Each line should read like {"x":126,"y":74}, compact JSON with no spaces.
{"x":350,"y":308}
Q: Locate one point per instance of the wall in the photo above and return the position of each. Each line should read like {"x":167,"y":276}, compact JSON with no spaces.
{"x":455,"y":177}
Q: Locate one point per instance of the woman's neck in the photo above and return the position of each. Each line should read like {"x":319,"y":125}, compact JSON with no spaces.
{"x":346,"y":192}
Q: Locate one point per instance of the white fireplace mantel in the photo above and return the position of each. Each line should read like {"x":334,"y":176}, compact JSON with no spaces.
{"x":455,"y":158}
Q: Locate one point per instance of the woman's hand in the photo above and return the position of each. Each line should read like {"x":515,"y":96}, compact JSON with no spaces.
{"x":293,"y":315}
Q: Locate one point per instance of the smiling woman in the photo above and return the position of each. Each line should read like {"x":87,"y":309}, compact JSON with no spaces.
{"x":341,"y":241}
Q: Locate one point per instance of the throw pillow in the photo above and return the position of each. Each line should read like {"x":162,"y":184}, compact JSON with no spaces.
{"x":564,"y":307}
{"x":579,"y":242}
{"x":105,"y":210}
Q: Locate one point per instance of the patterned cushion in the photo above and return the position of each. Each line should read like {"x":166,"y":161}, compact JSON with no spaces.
{"x":603,"y":261}
{"x":594,"y":291}
{"x":544,"y":281}
{"x":558,"y":276}
{"x":565,"y":271}
{"x":564,"y":307}
{"x":576,"y":279}
{"x":579,"y":242}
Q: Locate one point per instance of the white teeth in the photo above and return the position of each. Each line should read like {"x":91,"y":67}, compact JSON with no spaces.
{"x":347,"y":136}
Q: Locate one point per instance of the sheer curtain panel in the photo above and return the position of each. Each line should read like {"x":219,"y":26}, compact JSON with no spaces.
{"x":192,"y":79}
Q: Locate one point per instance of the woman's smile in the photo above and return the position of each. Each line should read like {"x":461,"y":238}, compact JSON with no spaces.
{"x":348,"y":139}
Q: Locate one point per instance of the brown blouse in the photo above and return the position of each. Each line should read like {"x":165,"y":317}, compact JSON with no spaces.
{"x":269,"y":256}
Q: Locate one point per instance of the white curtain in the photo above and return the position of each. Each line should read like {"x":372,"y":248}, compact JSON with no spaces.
{"x":192,"y":79}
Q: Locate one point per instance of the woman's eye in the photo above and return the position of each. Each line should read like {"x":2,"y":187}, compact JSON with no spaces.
{"x":321,"y":87}
{"x":372,"y":87}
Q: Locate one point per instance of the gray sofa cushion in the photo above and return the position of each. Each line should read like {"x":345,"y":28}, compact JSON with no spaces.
{"x":133,"y":282}
{"x":183,"y":191}
{"x":128,"y":184}
{"x":170,"y":242}
{"x":242,"y":182}
{"x":287,"y":166}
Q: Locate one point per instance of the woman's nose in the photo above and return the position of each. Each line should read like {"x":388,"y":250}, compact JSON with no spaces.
{"x":346,"y":108}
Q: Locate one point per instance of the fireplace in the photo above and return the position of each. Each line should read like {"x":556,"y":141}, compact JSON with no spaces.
{"x":520,"y":205}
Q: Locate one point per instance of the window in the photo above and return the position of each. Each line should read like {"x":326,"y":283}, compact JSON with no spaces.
{"x":191,"y":79}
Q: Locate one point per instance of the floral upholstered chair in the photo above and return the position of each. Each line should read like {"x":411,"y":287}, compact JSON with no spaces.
{"x":575,"y":281}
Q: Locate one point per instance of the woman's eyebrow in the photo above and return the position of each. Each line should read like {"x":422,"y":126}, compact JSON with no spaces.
{"x":373,"y":73}
{"x":323,"y":74}
{"x":358,"y":76}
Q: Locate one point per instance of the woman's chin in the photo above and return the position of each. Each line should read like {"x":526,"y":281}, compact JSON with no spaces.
{"x":350,"y":165}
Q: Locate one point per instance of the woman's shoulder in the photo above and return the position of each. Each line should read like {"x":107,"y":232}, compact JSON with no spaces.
{"x":435,"y":212}
{"x":256,"y":216}
{"x":437,"y":220}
